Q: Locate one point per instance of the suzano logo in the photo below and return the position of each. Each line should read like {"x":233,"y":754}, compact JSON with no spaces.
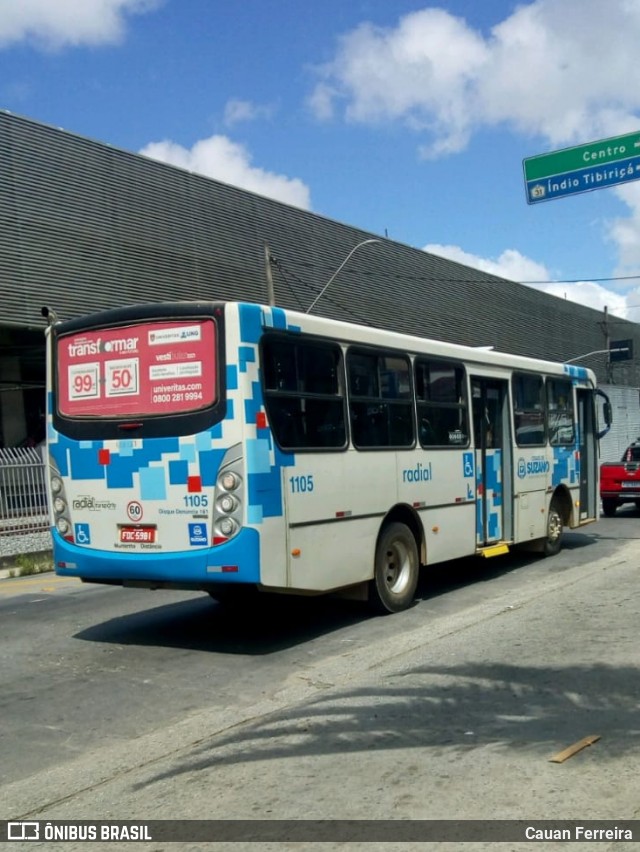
{"x":535,"y":466}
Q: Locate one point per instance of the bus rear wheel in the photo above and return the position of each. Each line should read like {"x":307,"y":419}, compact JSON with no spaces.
{"x":396,"y":569}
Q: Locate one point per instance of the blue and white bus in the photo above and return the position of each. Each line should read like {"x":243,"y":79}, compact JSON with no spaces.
{"x":220,"y":446}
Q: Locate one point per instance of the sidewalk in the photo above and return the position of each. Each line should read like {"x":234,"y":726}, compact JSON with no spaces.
{"x":14,"y":566}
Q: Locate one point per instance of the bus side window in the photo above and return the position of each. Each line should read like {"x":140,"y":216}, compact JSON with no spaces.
{"x":441,"y":403}
{"x":380,"y":400}
{"x":529,"y":409}
{"x":325,"y":423}
{"x":303,"y":394}
{"x":560,"y":414}
{"x":279,"y":366}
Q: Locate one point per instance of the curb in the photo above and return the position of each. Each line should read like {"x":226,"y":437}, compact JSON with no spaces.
{"x":5,"y":574}
{"x":12,"y":563}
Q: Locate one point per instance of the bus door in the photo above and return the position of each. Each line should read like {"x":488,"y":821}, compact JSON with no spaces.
{"x":588,"y":461}
{"x":494,"y":484}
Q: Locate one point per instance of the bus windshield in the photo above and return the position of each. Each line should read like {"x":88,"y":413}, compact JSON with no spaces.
{"x":143,"y":369}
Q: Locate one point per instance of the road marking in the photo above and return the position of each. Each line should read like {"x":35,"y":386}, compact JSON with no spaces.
{"x":36,"y":583}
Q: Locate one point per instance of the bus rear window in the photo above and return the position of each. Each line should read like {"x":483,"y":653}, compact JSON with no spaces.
{"x":148,"y":368}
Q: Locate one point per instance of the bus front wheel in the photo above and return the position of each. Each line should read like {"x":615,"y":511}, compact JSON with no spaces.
{"x":396,"y":570}
{"x":553,"y":541}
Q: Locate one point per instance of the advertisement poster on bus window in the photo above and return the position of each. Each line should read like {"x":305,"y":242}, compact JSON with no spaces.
{"x":139,"y":370}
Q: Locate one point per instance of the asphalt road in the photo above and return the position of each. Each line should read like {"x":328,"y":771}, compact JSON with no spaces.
{"x":129,"y":703}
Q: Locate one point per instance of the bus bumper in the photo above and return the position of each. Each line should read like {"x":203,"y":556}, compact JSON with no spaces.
{"x":235,"y":561}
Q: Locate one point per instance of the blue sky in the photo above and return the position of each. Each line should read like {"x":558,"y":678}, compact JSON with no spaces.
{"x":400,"y":117}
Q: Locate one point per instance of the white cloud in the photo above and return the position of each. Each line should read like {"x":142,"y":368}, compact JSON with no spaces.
{"x":535,"y":72}
{"x":514,"y":266}
{"x":625,"y":233}
{"x":220,"y":158}
{"x":53,"y":24}
{"x":563,"y":70}
{"x":423,"y":72}
{"x":511,"y":264}
{"x":237,"y":110}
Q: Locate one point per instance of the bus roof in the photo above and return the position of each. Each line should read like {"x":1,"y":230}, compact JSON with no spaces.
{"x":278,"y":318}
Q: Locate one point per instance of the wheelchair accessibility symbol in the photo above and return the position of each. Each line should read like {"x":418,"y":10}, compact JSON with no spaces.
{"x":467,"y":464}
{"x":82,"y":534}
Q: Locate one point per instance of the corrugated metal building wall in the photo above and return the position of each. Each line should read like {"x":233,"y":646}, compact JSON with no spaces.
{"x":84,"y":226}
{"x":625,"y":404}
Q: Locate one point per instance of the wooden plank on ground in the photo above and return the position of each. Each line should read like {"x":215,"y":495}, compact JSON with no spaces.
{"x":566,"y":753}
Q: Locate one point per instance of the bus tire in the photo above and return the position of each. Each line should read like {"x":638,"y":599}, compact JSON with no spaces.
{"x":609,"y":507}
{"x":395,"y":574}
{"x":555,"y":523}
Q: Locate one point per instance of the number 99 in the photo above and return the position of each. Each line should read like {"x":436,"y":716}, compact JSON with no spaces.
{"x":82,"y":383}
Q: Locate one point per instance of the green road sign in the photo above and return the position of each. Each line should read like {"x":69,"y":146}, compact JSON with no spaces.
{"x":582,"y":157}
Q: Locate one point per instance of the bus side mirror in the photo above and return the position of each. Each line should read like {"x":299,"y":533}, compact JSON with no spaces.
{"x":607,"y":413}
{"x":49,"y":314}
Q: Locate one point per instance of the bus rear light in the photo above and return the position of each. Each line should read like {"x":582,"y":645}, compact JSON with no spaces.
{"x":59,"y":505}
{"x":226,"y":526}
{"x":229,"y":481}
{"x":261,"y":420}
{"x":227,"y":504}
{"x":229,"y":496}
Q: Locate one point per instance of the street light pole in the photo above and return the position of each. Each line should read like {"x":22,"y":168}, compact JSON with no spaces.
{"x":596,"y":352}
{"x":343,"y":264}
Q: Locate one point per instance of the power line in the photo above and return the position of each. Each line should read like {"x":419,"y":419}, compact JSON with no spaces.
{"x":481,"y":276}
{"x":584,"y":280}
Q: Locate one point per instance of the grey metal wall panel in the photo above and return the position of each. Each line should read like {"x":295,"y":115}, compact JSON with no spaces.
{"x":84,"y":226}
{"x":625,"y":403}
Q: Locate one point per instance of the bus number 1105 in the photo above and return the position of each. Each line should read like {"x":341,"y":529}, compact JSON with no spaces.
{"x":301,"y":484}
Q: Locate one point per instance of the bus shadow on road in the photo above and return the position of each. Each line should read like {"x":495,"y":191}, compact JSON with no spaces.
{"x":447,"y":576}
{"x":269,"y":623}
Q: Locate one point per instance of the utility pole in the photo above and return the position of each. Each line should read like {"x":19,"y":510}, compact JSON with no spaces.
{"x":607,"y":343}
{"x":271,"y":293}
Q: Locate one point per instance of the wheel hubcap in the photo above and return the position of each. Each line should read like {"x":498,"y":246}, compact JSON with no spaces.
{"x":397,"y":568}
{"x":555,"y":526}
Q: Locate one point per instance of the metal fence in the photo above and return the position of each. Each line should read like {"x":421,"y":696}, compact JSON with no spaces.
{"x":23,"y":495}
